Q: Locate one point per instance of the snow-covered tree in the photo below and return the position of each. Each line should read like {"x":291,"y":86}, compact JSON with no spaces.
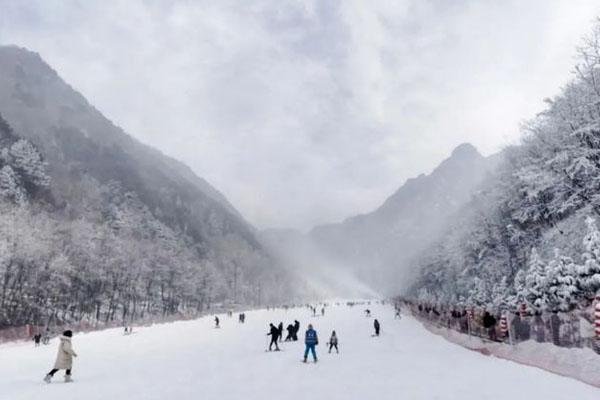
{"x":28,"y":162}
{"x":536,"y":282}
{"x":589,"y":273}
{"x":10,"y":186}
{"x":500,"y":299}
{"x":562,"y":285}
{"x":518,"y":290}
{"x":479,"y":295}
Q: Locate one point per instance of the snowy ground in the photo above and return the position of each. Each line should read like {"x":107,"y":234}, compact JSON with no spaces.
{"x":192,"y":360}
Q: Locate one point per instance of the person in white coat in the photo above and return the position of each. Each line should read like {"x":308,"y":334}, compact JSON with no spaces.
{"x":64,"y":358}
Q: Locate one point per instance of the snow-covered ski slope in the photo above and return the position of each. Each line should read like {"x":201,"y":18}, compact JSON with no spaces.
{"x":191,"y":360}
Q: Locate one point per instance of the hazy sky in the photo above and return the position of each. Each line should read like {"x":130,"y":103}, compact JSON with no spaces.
{"x":304,"y":112}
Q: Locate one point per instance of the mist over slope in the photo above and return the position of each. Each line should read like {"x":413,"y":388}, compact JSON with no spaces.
{"x":379,"y":246}
{"x":375,"y":252}
{"x":118,"y":230}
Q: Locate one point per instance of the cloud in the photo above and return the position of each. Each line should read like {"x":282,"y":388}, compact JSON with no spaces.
{"x":305,"y":112}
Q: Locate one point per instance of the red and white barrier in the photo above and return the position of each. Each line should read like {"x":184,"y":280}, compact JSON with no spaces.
{"x":523,"y":310}
{"x":597,"y":317}
{"x":503,"y":325}
{"x":469,"y":320}
{"x":470,"y":313}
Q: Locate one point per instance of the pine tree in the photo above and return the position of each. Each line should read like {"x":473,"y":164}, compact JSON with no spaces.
{"x":499,"y":295}
{"x":10,"y":187}
{"x":562,"y":285}
{"x":27,"y":161}
{"x":479,"y":295}
{"x":589,"y":272}
{"x":520,"y":289}
{"x":536,"y":282}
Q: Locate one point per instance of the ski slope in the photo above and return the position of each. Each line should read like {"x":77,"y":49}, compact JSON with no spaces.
{"x":193,"y":360}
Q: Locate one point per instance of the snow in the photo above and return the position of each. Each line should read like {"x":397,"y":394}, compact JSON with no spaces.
{"x":580,"y":363}
{"x":193,"y":360}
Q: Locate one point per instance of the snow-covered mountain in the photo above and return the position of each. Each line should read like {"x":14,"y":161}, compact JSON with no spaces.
{"x":379,"y":246}
{"x":157,"y":238}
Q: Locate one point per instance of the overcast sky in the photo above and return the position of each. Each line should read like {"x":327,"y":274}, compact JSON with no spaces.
{"x":306,"y":112}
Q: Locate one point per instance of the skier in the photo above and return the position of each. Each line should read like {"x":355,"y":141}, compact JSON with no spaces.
{"x":280,"y":329}
{"x":216,"y":322}
{"x":274,"y":333}
{"x":310,"y":340}
{"x":290,"y":333}
{"x":37,"y":338}
{"x":296,"y":330}
{"x":45,"y":339}
{"x":398,"y":314}
{"x":323,"y":311}
{"x":377,"y":327}
{"x":333,"y":342}
{"x":64,"y":358}
{"x":367,"y":312}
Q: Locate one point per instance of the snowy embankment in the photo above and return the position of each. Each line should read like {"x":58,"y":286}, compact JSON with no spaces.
{"x":582,"y":364}
{"x":193,"y":360}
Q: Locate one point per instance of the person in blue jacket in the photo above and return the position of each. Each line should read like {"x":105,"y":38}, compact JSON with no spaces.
{"x":310,"y":340}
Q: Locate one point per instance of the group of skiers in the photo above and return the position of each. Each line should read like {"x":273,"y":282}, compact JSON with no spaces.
{"x":65,"y":355}
{"x":292,"y":331}
{"x":314,"y":311}
{"x":38,"y":339}
{"x":311,"y":339}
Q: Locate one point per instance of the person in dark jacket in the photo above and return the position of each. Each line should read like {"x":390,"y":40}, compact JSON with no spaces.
{"x":280,"y":328}
{"x":296,"y":330}
{"x":216,"y":322}
{"x":290,"y":333}
{"x":377,"y":327}
{"x":489,"y":323}
{"x":310,"y":340}
{"x":333,"y":342}
{"x":274,"y":333}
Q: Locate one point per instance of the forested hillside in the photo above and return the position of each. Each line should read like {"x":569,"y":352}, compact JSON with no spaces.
{"x":530,"y":234}
{"x":97,"y":226}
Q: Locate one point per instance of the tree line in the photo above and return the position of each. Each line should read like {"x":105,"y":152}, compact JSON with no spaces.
{"x":521,"y":239}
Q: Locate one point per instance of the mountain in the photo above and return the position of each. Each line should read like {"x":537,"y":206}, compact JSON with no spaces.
{"x":380,"y":246}
{"x":77,"y":139}
{"x":169,"y":240}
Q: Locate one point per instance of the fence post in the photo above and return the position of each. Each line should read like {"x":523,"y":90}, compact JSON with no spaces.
{"x":504,"y":326}
{"x":469,"y":321}
{"x":597,"y":321}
